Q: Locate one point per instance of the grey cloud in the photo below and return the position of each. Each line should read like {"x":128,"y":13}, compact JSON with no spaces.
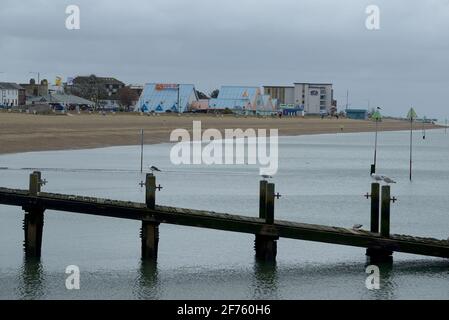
{"x":210,"y":42}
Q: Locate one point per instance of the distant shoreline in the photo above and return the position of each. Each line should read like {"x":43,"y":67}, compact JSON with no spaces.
{"x":20,"y":132}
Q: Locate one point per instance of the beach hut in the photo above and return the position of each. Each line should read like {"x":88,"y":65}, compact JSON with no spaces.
{"x":357,"y":114}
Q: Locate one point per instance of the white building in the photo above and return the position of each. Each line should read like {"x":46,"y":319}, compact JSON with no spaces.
{"x":313,"y":98}
{"x":9,"y":94}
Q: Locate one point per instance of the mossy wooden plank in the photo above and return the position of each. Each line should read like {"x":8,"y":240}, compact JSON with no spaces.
{"x":224,"y":221}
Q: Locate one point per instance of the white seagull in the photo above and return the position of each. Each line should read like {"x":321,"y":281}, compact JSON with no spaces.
{"x":357,"y":226}
{"x":381,"y":178}
{"x":265,"y":177}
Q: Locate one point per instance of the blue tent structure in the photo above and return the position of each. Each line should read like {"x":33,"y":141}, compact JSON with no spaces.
{"x":164,"y":98}
{"x":236,"y":98}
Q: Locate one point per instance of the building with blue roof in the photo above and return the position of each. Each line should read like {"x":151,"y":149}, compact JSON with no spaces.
{"x":242,"y":99}
{"x":157,"y":97}
{"x":268,"y":106}
{"x":231,"y":104}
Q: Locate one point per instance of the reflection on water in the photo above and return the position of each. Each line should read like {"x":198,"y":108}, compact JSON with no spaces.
{"x":401,"y":280}
{"x":387,"y":283}
{"x":147,"y":285}
{"x":31,"y":281}
{"x":265,"y":282}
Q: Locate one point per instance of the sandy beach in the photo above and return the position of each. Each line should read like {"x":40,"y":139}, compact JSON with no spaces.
{"x":20,"y":132}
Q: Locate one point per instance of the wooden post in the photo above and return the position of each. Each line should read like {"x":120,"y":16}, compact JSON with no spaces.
{"x":35,"y":185}
{"x":375,"y":199}
{"x":150,"y":230}
{"x":270,"y":204}
{"x":263,"y":199}
{"x":150,"y":194}
{"x":150,"y":240}
{"x":266,"y":246}
{"x":34,"y":221}
{"x":385,"y":214}
{"x":378,"y":254}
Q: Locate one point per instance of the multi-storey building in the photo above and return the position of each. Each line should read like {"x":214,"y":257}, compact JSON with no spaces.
{"x":313,"y":98}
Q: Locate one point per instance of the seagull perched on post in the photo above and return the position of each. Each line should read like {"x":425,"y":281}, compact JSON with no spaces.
{"x":357,"y":226}
{"x":381,"y":178}
{"x":153,"y":169}
{"x":265,"y":177}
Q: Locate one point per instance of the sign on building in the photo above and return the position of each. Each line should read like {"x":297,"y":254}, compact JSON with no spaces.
{"x":166,"y":86}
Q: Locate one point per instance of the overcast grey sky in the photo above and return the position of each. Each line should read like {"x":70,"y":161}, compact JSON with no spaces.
{"x":245,"y":42}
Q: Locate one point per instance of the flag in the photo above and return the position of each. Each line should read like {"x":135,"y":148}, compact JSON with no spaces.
{"x":411,"y":115}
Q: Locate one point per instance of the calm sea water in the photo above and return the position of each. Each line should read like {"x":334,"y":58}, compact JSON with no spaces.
{"x":322,"y":179}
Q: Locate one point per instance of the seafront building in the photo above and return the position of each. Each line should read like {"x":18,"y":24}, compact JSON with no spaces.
{"x":57,"y":99}
{"x":11,"y":94}
{"x":35,"y":89}
{"x":248,"y":100}
{"x":239,"y":99}
{"x":357,"y":114}
{"x":312,"y":98}
{"x":202,"y":105}
{"x":107,"y":93}
{"x":103,"y":90}
{"x":161,"y":97}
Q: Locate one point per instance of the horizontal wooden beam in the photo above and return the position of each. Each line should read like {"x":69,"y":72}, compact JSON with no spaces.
{"x":225,"y":222}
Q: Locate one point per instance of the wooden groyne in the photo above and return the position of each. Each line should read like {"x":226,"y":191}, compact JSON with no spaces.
{"x":378,"y":241}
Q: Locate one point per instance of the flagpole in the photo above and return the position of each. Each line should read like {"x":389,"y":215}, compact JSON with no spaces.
{"x":375,"y":146}
{"x":179,"y":102}
{"x":377,"y":117}
{"x":141,"y":150}
{"x":424,"y":128}
{"x":411,"y":146}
